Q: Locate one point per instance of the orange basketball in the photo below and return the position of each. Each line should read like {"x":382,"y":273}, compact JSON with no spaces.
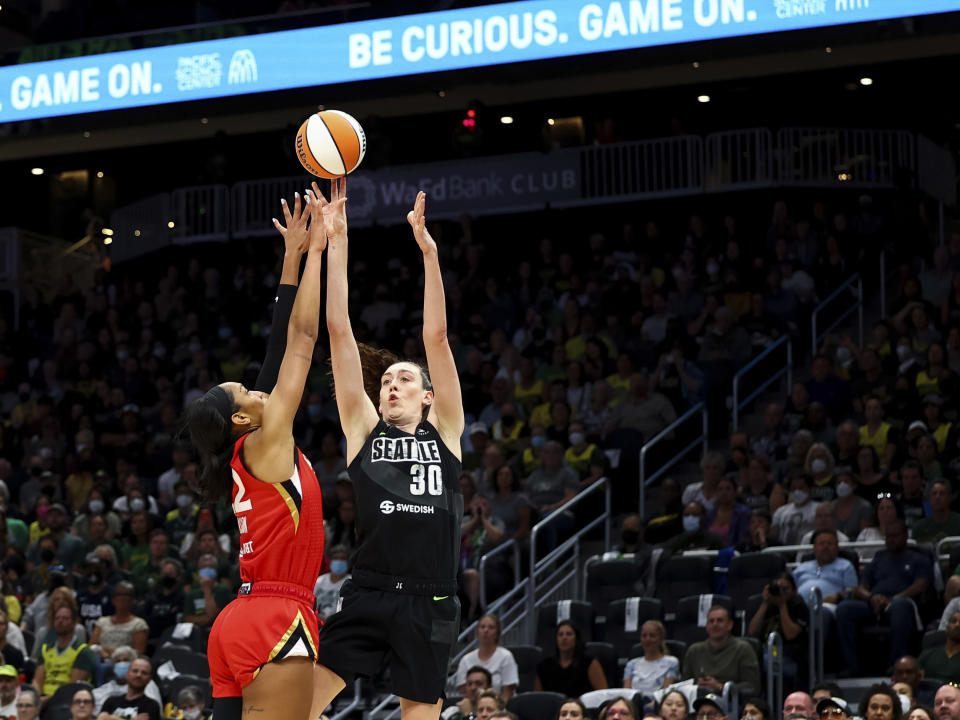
{"x":330,"y":144}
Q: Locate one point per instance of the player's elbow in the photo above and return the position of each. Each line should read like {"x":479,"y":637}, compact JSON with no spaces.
{"x":303,"y":332}
{"x":435,"y":336}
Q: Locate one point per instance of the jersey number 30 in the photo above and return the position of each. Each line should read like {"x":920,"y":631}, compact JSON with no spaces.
{"x":433,"y":476}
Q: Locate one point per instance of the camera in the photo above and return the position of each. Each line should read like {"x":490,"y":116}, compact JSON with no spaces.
{"x":774,"y":588}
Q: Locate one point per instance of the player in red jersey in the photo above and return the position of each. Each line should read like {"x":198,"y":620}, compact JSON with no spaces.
{"x":262,"y":647}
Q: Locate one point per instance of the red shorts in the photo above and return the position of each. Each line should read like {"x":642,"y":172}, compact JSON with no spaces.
{"x":274,"y":622}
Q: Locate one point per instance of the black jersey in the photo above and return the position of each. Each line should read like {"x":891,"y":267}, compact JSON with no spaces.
{"x":409,"y":505}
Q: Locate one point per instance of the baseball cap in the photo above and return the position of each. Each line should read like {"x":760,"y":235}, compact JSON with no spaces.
{"x":711,"y":699}
{"x":9,"y":671}
{"x":917,"y":425}
{"x":57,"y":506}
{"x":832,"y":702}
{"x":479,"y":427}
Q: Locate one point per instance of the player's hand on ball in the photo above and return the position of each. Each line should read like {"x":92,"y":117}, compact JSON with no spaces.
{"x":318,"y":230}
{"x":419,"y":224}
{"x":335,"y":211}
{"x":294,"y":232}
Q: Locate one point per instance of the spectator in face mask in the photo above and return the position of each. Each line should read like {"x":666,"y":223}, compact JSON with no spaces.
{"x":134,"y":499}
{"x":327,"y":588}
{"x":165,"y":601}
{"x":94,"y":600}
{"x":122,"y":658}
{"x":207,"y":597}
{"x":189,"y":705}
{"x":180,"y":521}
{"x":146,"y":573}
{"x":97,"y":505}
{"x":695,"y":535}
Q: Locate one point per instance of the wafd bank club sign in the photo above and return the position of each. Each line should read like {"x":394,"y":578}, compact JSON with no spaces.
{"x":412,"y":44}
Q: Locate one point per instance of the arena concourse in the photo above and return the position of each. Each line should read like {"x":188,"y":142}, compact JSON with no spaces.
{"x":712,"y":445}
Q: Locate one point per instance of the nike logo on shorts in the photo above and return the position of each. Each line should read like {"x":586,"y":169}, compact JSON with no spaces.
{"x":437,"y":598}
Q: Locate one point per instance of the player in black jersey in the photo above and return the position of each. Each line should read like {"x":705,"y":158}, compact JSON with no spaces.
{"x":403,"y":427}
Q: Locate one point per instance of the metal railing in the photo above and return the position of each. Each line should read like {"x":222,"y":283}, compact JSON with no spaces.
{"x":844,"y":157}
{"x":846,"y":287}
{"x":551,"y":574}
{"x":815,"y":637}
{"x":738,"y":403}
{"x":558,"y":570}
{"x":201,"y":214}
{"x":620,"y":172}
{"x":662,"y":167}
{"x":703,"y":439}
{"x":254,"y":202}
{"x":774,"y":662}
{"x":738,"y":160}
{"x":354,"y":703}
{"x":487,"y":558}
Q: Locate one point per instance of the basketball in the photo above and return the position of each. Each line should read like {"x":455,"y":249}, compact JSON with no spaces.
{"x":330,"y":144}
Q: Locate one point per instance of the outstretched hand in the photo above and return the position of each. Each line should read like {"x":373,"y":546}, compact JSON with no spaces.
{"x":334,"y":212}
{"x":295,"y":235}
{"x":419,"y":224}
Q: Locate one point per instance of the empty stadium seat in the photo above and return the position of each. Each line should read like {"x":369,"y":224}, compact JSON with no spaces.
{"x":527,"y":657}
{"x":536,"y":705}
{"x":606,"y":655}
{"x":615,"y":629}
{"x":681,"y":577}
{"x":748,"y":574}
{"x":611,"y":580}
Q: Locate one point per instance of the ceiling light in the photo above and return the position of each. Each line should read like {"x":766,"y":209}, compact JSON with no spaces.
{"x":171,"y":224}
{"x":828,"y":49}
{"x":866,"y":81}
{"x":107,"y":231}
{"x":107,"y":240}
{"x":506,"y":120}
{"x":136,"y":233}
{"x":703,"y":98}
{"x":99,"y":173}
{"x":37,"y":171}
{"x":551,"y":121}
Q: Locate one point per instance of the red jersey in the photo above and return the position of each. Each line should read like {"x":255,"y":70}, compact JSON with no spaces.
{"x":281,"y":525}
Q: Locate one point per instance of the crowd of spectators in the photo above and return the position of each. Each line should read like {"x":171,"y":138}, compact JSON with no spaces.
{"x":570,"y":358}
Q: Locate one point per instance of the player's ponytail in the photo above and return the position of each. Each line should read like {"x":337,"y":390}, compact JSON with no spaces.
{"x":212,"y":435}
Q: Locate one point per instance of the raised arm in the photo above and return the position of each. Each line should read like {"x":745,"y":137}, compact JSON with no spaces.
{"x":269,"y":451}
{"x":358,"y":416}
{"x":296,"y":240}
{"x":446,"y":413}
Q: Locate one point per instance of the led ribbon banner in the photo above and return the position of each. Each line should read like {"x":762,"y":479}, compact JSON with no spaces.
{"x":408,"y":45}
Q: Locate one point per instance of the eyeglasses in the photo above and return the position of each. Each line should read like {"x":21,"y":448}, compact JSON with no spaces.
{"x":832,"y":713}
{"x":82,"y":701}
{"x":26,"y":704}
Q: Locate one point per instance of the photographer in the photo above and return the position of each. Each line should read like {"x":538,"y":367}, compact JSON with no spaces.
{"x":782,"y":611}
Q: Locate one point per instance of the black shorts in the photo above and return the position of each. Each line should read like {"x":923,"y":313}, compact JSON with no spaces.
{"x":414,"y":633}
